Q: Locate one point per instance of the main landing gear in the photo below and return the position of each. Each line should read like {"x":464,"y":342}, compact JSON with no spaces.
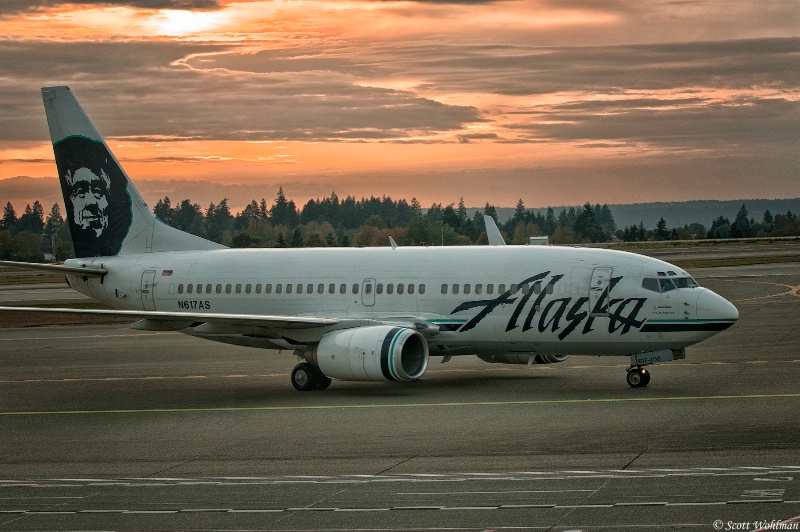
{"x":638,"y":377}
{"x":306,"y":377}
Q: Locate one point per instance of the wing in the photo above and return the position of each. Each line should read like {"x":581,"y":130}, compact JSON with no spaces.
{"x":173,"y":321}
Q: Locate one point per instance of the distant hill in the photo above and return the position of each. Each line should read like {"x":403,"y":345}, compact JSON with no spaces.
{"x":680,"y":213}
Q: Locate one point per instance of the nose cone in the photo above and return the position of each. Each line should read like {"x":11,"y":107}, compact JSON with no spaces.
{"x":714,"y":308}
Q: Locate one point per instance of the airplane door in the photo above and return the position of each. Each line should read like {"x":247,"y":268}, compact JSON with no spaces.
{"x":368,"y":292}
{"x":148,"y":283}
{"x":598,"y":288}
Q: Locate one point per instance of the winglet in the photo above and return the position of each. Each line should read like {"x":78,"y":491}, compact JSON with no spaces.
{"x":392,"y":242}
{"x":495,"y":238}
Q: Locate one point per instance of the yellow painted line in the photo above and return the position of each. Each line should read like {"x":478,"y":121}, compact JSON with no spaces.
{"x":538,"y":402}
{"x":500,"y":369}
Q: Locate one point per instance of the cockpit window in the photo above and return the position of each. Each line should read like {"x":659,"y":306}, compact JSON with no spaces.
{"x":662,"y":284}
{"x":685,"y":282}
{"x":666,"y":285}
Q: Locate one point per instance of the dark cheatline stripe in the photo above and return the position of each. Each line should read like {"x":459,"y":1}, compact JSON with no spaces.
{"x":686,"y":327}
{"x":385,"y":348}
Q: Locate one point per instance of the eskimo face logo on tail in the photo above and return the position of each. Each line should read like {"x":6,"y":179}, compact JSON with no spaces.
{"x":96,"y":196}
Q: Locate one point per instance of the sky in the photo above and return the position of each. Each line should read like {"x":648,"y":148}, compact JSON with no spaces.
{"x":555,"y":102}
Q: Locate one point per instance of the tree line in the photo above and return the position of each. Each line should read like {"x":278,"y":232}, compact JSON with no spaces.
{"x":332,"y":222}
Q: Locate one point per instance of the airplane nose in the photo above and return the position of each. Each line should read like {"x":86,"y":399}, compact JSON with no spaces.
{"x":712,"y":306}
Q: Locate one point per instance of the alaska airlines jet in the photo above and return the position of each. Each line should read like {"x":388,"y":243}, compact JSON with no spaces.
{"x":364,"y":314}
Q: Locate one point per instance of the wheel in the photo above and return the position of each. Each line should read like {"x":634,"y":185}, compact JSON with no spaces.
{"x":638,"y":377}
{"x":323,"y":381}
{"x":304,"y":377}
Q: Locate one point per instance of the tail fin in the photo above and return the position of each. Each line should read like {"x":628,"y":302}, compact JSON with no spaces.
{"x":107,"y":215}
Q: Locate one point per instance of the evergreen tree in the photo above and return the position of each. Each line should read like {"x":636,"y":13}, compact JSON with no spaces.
{"x":32,"y":220}
{"x":741,"y":224}
{"x":163,"y":210}
{"x":54,"y":219}
{"x":462,"y":212}
{"x":9,"y":221}
{"x":661,"y":233}
{"x":490,"y":210}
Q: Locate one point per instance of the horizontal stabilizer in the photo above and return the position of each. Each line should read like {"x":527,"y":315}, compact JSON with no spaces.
{"x":55,"y":268}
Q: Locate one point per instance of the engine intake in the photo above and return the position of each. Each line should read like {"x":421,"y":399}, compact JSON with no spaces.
{"x":381,"y":352}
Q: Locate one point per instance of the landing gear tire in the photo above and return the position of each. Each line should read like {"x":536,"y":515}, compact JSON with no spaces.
{"x":323,"y":381}
{"x":304,"y":378}
{"x":638,"y":377}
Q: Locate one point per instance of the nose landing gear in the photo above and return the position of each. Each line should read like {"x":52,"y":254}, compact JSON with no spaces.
{"x":638,"y":377}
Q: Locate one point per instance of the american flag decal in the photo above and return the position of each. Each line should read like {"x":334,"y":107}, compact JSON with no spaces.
{"x":166,"y":273}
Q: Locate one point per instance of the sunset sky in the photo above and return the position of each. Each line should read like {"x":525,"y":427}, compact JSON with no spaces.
{"x":556,"y":102}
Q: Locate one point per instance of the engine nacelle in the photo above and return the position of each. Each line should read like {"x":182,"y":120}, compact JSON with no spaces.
{"x":523,"y":358}
{"x":381,"y":352}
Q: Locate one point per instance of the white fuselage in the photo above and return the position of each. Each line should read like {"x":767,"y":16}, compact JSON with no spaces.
{"x":477,"y":300}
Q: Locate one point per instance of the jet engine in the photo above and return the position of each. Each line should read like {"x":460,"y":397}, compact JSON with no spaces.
{"x":522,"y":358}
{"x":380,"y":352}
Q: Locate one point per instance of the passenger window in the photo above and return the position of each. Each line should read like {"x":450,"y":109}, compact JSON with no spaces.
{"x":444,"y":289}
{"x":180,"y":288}
{"x":526,"y":289}
{"x":219,"y":288}
{"x":537,"y":288}
{"x":355,"y":288}
{"x":490,"y":289}
{"x":455,"y":289}
{"x":422,"y":289}
{"x":549,"y":289}
{"x":278,"y":288}
{"x":400,"y":288}
{"x":299,"y":288}
{"x":501,"y":288}
{"x":379,"y":288}
{"x":289,"y":288}
{"x":320,"y":288}
{"x":513,"y":289}
{"x":248,"y":288}
{"x":228,"y":288}
{"x":310,"y":289}
{"x":189,"y":288}
{"x":390,"y":288}
{"x":467,"y":288}
{"x":268,"y":288}
{"x":238,"y":289}
{"x":331,"y":288}
{"x":411,"y":289}
{"x":478,"y":289}
{"x":258,"y":289}
{"x":199,"y":288}
{"x":208,"y":289}
{"x":368,"y":288}
{"x":342,"y":288}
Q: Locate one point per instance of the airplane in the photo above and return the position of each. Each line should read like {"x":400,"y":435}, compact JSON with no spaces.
{"x":364,"y":314}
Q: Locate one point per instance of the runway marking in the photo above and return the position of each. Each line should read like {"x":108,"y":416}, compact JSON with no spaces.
{"x":545,"y":506}
{"x":400,"y":405}
{"x":792,"y":290}
{"x":429,"y":372}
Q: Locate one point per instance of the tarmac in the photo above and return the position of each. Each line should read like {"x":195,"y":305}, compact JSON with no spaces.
{"x":102,"y":427}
